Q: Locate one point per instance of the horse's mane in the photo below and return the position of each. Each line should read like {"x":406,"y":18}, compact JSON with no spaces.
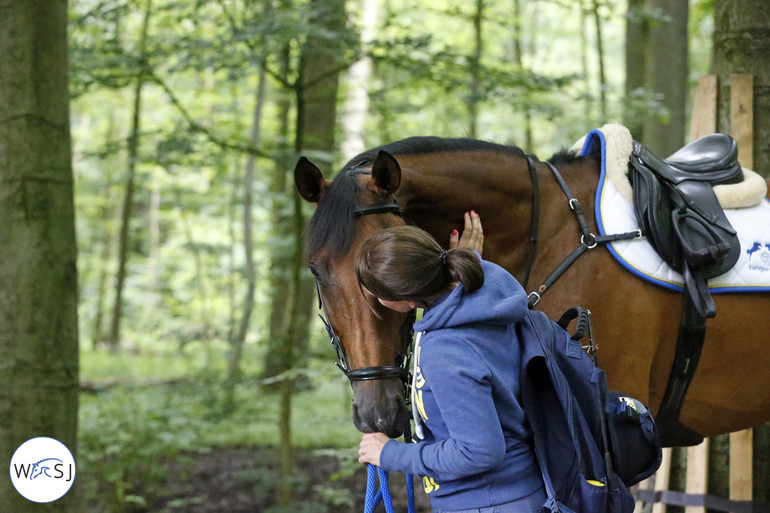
{"x":421,"y":145}
{"x":565,"y":156}
{"x":332,"y":228}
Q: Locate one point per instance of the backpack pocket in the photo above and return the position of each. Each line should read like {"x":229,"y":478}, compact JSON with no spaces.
{"x":634,"y":443}
{"x":593,"y":494}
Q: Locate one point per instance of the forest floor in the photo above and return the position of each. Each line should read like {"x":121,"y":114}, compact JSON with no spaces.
{"x":245,"y":480}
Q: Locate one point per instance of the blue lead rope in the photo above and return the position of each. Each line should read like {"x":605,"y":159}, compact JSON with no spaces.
{"x":382,"y":494}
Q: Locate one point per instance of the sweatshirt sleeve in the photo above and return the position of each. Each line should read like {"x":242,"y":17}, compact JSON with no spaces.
{"x":460,"y":383}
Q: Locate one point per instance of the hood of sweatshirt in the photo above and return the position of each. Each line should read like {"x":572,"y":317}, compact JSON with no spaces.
{"x":500,"y":301}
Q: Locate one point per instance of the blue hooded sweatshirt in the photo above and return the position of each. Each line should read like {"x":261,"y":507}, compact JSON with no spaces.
{"x":477,"y":449}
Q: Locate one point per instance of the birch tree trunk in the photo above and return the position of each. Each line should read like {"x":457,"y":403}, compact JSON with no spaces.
{"x":355,"y":107}
{"x":38,"y":274}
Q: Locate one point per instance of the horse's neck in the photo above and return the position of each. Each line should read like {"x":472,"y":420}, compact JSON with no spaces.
{"x":438,"y":189}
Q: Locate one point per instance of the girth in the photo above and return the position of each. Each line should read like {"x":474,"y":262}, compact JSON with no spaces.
{"x":678,"y":212}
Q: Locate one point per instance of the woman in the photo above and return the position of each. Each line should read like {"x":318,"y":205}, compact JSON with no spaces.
{"x":475,"y":453}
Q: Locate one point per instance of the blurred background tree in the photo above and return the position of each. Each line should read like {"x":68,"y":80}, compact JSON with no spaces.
{"x":38,"y":273}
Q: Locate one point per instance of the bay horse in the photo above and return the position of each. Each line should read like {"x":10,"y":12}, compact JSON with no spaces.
{"x":434,"y":182}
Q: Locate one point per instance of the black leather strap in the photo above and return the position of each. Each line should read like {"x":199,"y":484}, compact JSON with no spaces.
{"x":379,"y":372}
{"x":535,"y":223}
{"x":587,"y":240}
{"x":689,"y":344}
{"x":378,"y":208}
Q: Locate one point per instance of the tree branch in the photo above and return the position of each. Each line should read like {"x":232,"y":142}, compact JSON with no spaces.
{"x":197,"y":127}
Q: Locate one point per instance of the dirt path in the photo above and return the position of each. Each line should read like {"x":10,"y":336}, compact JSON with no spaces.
{"x":244,"y":480}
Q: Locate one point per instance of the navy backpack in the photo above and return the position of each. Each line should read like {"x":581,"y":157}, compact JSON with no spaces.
{"x":591,"y":444}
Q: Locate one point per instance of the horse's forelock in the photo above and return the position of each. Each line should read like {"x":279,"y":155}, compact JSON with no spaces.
{"x":331,"y":229}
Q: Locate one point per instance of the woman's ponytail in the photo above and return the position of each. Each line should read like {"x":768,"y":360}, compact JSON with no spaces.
{"x":464,"y":267}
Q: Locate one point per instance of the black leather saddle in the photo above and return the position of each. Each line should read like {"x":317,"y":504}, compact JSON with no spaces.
{"x":679,"y":213}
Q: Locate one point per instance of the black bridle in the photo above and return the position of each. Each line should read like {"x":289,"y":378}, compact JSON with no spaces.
{"x":402,"y":367}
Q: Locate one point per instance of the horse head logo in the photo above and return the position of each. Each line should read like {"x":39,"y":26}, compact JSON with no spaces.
{"x":39,"y":468}
{"x":755,"y":248}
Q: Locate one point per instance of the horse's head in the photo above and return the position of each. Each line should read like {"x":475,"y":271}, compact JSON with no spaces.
{"x":371,"y":340}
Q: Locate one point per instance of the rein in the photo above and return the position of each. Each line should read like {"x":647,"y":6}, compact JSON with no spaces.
{"x":382,"y":494}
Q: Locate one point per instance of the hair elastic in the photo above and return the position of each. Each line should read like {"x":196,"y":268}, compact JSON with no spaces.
{"x":442,"y":256}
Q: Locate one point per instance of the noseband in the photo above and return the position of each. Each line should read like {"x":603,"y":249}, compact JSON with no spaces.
{"x":403,"y":363}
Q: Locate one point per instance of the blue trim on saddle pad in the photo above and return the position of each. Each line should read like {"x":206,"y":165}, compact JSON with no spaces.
{"x":594,"y":146}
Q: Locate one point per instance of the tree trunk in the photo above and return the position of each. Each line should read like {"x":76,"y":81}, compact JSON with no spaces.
{"x":742,"y":46}
{"x":636,"y":42}
{"x":38,"y":267}
{"x":316,"y":96}
{"x":666,"y":68}
{"x":359,"y":75}
{"x":600,"y":58}
{"x":518,"y":58}
{"x":280,"y":225}
{"x":475,"y":70}
{"x":239,"y":337}
{"x":128,"y":199}
{"x":107,"y":241}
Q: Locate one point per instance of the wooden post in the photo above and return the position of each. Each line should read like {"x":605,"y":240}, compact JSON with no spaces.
{"x":662,"y":477}
{"x":742,"y":117}
{"x":697,"y":477}
{"x":742,"y":129}
{"x":703,"y":119}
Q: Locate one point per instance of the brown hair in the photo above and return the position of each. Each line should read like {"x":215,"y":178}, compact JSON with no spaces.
{"x":406,"y":263}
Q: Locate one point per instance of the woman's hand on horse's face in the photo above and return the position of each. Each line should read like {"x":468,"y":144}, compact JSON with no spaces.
{"x":370,"y":448}
{"x":472,"y":236}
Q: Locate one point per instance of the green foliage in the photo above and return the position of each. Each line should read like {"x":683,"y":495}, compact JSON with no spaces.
{"x":146,"y":411}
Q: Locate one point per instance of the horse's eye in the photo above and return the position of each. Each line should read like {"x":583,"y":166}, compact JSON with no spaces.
{"x":315,"y":272}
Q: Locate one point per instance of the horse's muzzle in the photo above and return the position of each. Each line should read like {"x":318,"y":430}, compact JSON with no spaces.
{"x":379,"y":407}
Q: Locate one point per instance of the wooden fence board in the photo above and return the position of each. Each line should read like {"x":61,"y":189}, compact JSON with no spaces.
{"x":742,"y":129}
{"x":703,"y":119}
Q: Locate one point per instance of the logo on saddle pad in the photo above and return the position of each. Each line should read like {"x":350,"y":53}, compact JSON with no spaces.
{"x":759,"y":257}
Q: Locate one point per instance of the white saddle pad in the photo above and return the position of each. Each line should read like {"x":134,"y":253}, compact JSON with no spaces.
{"x":615,"y":214}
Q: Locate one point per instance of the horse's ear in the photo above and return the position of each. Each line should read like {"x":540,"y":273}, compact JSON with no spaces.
{"x":386,"y":173}
{"x":309,"y":180}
